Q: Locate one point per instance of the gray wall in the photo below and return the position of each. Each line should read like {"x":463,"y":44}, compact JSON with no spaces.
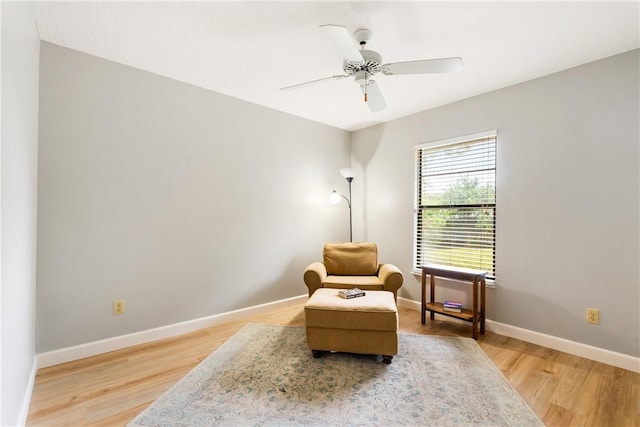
{"x":183,"y":202}
{"x":567,"y":196}
{"x":188,"y":203}
{"x":20,"y":53}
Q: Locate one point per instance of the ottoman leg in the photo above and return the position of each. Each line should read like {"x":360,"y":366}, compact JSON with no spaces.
{"x":316,"y":353}
{"x":387,"y":359}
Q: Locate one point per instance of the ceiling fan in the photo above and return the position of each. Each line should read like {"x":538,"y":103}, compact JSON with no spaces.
{"x":362,"y":64}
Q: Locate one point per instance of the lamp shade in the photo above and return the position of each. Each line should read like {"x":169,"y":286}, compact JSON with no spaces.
{"x":347,"y":173}
{"x":334,"y":198}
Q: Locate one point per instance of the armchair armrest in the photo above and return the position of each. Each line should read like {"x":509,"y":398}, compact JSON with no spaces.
{"x":314,"y":275}
{"x":392,"y":278}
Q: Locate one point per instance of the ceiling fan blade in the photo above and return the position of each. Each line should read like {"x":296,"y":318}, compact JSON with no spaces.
{"x":442,"y":65}
{"x":300,"y":85}
{"x":343,"y":41}
{"x":373,"y":96}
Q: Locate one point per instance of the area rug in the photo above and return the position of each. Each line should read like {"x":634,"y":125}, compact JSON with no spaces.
{"x":266,"y":376}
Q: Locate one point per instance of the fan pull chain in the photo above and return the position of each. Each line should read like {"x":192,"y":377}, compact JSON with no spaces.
{"x":366,"y":85}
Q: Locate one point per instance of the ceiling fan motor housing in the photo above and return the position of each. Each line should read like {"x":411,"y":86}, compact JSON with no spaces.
{"x":372,"y":63}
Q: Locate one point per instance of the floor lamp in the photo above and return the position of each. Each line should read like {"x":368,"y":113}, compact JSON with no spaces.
{"x":347,"y":173}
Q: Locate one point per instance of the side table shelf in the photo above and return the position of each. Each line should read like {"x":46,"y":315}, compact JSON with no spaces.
{"x":478,"y":280}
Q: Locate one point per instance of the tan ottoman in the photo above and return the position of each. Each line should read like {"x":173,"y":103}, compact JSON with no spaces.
{"x":364,"y":325}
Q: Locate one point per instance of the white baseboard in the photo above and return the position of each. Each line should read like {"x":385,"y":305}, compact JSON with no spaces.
{"x":409,"y":303}
{"x":26,"y":400}
{"x":598,"y":354}
{"x":68,"y":354}
{"x":602,"y":355}
{"x":81,"y":351}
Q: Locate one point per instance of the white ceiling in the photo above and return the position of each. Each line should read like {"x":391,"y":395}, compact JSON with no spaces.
{"x":249,"y":50}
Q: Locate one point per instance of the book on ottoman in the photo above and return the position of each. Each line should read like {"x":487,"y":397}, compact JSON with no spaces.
{"x":351,"y":293}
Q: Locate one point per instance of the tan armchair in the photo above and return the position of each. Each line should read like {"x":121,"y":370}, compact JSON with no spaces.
{"x":350,"y":265}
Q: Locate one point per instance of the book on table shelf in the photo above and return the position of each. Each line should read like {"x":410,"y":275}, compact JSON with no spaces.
{"x":351,"y":293}
{"x":452,"y":306}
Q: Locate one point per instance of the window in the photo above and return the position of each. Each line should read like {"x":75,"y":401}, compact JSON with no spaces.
{"x":455,"y":203}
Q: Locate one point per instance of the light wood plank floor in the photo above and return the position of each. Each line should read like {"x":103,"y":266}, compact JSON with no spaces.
{"x":112,"y":388}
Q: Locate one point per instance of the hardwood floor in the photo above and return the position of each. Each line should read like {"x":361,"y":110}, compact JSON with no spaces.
{"x":110,"y":389}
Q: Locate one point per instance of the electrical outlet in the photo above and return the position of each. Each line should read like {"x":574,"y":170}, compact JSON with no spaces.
{"x":593,"y":316}
{"x":118,"y":306}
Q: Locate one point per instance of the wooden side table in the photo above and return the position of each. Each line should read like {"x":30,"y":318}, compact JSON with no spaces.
{"x":476,"y":277}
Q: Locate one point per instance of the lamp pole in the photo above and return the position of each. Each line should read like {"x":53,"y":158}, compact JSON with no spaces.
{"x":349,"y":179}
{"x":347,"y":173}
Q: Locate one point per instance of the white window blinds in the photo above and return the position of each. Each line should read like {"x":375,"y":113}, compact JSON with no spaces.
{"x":455,"y":207}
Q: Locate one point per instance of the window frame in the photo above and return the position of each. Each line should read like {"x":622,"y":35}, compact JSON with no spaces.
{"x":417,"y":246}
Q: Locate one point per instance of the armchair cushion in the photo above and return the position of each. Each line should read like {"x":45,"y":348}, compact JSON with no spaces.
{"x":351,"y":259}
{"x":348,"y":282}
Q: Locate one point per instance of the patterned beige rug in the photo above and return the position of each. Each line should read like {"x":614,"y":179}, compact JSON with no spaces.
{"x":266,"y":375}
